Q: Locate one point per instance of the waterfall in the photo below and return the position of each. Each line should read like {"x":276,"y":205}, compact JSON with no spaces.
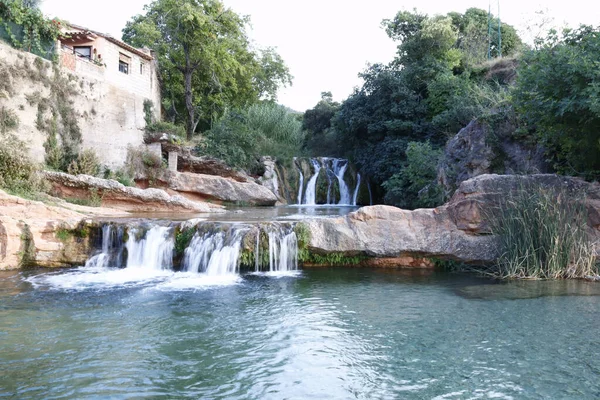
{"x":153,"y":252}
{"x":370,"y":194}
{"x":215,"y":253}
{"x":112,"y":248}
{"x":300,"y":182}
{"x":355,"y":197}
{"x":283,"y":248}
{"x":311,"y":186}
{"x":339,"y":169}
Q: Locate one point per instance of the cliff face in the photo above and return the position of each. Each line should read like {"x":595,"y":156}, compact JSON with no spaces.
{"x":80,"y":108}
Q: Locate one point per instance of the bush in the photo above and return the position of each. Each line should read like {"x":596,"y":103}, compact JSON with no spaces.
{"x":87,"y":163}
{"x":240,"y":138}
{"x":143,"y":165}
{"x":156,"y":130}
{"x":18,"y":174}
{"x":415,"y":185}
{"x":542,"y":235}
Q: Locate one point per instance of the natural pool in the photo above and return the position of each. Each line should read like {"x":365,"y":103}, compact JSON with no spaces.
{"x":314,"y":334}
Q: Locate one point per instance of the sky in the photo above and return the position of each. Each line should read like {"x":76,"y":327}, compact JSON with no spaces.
{"x":326,"y":43}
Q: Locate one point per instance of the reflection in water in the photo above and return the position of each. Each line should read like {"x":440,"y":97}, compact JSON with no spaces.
{"x":323,"y":333}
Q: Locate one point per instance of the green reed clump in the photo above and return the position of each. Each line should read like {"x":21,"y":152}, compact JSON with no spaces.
{"x":542,"y":234}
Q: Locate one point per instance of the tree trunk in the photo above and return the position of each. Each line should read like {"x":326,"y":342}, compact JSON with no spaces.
{"x":189,"y":103}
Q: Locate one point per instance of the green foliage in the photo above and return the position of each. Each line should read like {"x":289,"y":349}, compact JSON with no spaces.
{"x":154,"y":131}
{"x":144,"y":165}
{"x":558,"y":95}
{"x":26,"y":28}
{"x":18,"y":174}
{"x":87,"y":163}
{"x":415,"y":185}
{"x":242,"y":137}
{"x":182,"y":240}
{"x":94,"y":199}
{"x":148,"y":113}
{"x":205,"y":59}
{"x":543,"y":235}
{"x":432,"y":89}
{"x":9,"y":121}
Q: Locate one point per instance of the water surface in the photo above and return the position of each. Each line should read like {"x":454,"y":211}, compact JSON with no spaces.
{"x":314,"y":334}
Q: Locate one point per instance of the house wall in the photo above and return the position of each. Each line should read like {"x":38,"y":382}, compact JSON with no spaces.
{"x":109,"y":106}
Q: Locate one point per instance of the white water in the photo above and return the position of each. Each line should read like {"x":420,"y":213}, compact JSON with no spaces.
{"x":283,"y":251}
{"x":311,"y":186}
{"x":339,"y":169}
{"x":215,"y":254}
{"x":355,"y":197}
{"x":334,"y":167}
{"x":153,"y":252}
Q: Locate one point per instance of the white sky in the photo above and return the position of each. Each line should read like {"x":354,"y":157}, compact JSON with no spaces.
{"x":326,"y":43}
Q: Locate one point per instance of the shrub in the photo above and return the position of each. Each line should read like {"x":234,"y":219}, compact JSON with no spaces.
{"x":240,"y":138}
{"x":18,"y":174}
{"x":87,"y":163}
{"x":156,"y":130}
{"x":144,"y":165}
{"x":415,"y":185}
{"x":543,"y":235}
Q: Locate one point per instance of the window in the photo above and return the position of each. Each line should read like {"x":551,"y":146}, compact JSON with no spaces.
{"x":83,"y":51}
{"x":123,"y":67}
{"x":124,"y":63}
{"x":142,"y":66}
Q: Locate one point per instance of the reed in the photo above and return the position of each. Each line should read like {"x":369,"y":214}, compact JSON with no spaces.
{"x":542,"y":233}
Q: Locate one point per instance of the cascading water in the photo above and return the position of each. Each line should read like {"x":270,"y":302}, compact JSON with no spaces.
{"x":112,"y":248}
{"x":339,"y":169}
{"x":154,"y":251}
{"x":215,"y":253}
{"x":335,"y":169}
{"x":355,"y":197}
{"x":311,"y":186}
{"x":282,"y":250}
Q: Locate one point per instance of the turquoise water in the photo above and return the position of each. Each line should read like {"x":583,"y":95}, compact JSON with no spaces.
{"x":317,"y":334}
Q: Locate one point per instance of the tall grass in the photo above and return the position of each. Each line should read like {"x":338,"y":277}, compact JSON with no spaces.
{"x":542,"y":233}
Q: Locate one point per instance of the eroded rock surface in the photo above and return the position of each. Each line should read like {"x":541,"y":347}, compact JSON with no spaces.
{"x":32,"y":232}
{"x":456,"y":230}
{"x":113,"y":194}
{"x":212,"y":187}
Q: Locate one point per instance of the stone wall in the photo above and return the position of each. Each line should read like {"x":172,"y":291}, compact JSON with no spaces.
{"x":110,"y":111}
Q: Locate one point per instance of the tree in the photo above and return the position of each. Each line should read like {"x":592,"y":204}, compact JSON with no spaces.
{"x":558,"y":94}
{"x":204,"y":58}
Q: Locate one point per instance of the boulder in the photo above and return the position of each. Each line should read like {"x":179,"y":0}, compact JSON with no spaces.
{"x":111,"y":193}
{"x":34,"y":233}
{"x":478,"y":149}
{"x":456,"y":230}
{"x":210,"y":187}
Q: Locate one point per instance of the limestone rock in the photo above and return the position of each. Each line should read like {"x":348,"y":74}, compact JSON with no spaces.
{"x":270,"y":179}
{"x":114,"y":194}
{"x":477,"y":150}
{"x":456,"y":230}
{"x":222,"y":189}
{"x":29,"y":234}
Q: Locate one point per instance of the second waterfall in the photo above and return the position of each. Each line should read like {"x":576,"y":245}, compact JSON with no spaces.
{"x":327,"y":181}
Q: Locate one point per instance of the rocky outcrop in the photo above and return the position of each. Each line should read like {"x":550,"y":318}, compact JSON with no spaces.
{"x":270,"y":179}
{"x":456,"y":230}
{"x":479,"y":149}
{"x":110,"y":193}
{"x":34,"y":233}
{"x":209,"y":187}
{"x":187,"y":162}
